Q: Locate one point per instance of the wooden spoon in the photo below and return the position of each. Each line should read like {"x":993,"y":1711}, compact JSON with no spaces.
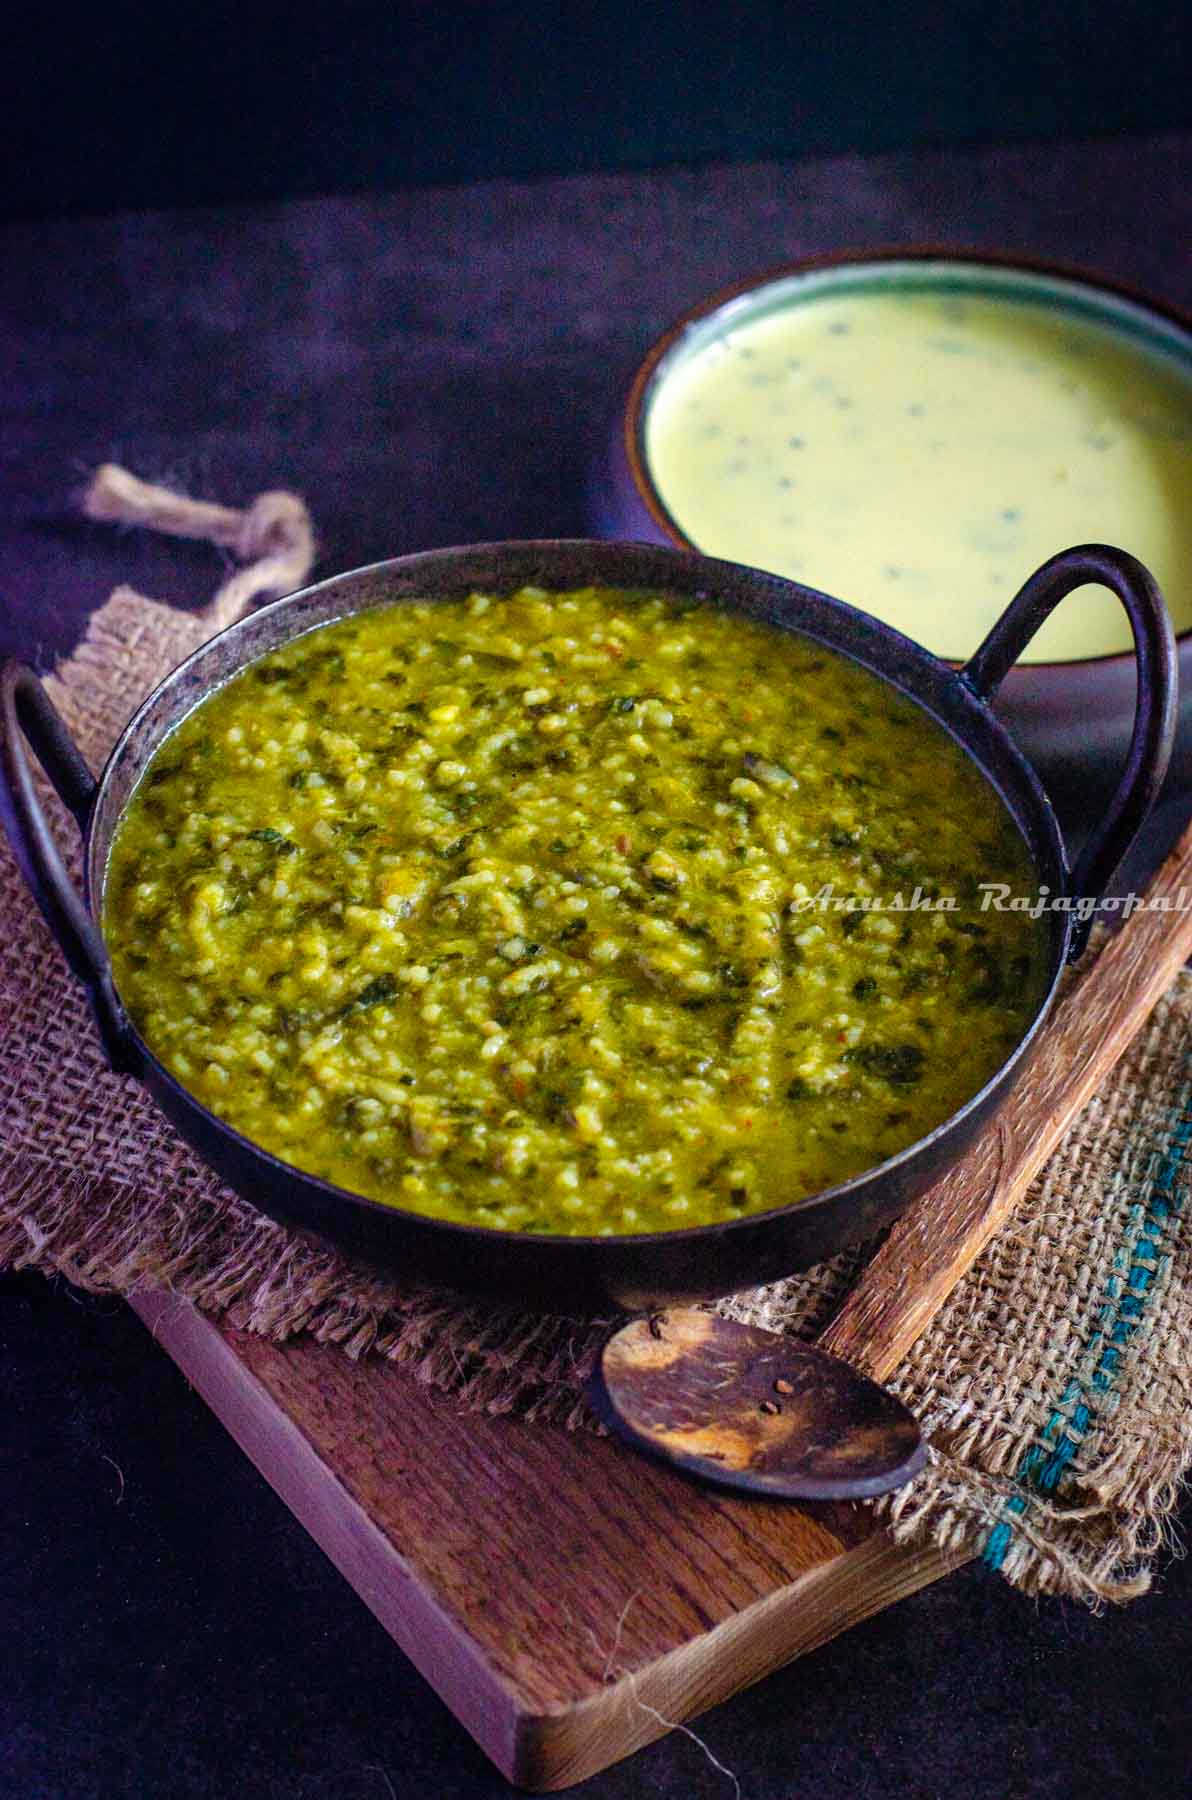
{"x":750,"y":1409}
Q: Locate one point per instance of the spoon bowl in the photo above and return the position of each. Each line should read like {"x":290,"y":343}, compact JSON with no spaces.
{"x":749,"y":1409}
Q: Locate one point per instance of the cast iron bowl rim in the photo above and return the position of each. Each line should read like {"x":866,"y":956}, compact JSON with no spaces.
{"x":649,"y":370}
{"x":694,"y":562}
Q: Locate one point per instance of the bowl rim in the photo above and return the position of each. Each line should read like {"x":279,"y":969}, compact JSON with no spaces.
{"x":577,"y":1243}
{"x":633,"y":418}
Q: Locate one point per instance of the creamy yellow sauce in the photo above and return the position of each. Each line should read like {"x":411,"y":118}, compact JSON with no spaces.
{"x":919,"y":453}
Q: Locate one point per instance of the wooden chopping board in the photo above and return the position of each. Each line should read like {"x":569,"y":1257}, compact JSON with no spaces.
{"x":558,"y":1592}
{"x":568,"y":1600}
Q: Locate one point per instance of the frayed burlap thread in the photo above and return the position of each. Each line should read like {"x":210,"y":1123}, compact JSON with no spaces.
{"x":1055,"y":1384}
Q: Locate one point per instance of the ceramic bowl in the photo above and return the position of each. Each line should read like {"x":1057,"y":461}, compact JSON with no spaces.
{"x":1055,"y":709}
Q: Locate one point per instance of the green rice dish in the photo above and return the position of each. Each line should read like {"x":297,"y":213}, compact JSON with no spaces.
{"x":535,"y":912}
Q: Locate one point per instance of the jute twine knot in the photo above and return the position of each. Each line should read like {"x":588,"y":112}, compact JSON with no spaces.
{"x":273,"y":536}
{"x":1048,"y":1355}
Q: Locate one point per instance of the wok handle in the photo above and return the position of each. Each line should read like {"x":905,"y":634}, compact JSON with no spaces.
{"x":27,"y":714}
{"x":1158,"y":687}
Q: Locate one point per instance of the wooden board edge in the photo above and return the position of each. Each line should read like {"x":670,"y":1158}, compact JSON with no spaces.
{"x":364,"y":1556}
{"x":548,"y":1751}
{"x":557,"y":1750}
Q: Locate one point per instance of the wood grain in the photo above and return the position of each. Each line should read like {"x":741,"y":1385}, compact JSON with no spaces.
{"x":752,"y":1409}
{"x":937,"y":1241}
{"x":566,"y":1599}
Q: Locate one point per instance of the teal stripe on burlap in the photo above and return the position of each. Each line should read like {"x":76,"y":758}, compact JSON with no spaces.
{"x":1148,"y":1225}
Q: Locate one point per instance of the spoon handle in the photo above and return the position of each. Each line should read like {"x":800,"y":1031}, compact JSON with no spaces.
{"x":940,"y":1236}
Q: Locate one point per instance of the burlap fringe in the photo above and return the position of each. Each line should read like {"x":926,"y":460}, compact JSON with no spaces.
{"x":267,"y":1280}
{"x":108,"y":1238}
{"x":985,"y":1395}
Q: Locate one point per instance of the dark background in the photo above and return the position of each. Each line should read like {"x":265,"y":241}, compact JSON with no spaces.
{"x":130,"y":104}
{"x":426,"y":369}
{"x":171,"y":1633}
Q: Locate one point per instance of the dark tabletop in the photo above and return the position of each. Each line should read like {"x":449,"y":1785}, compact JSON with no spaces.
{"x":427,"y":369}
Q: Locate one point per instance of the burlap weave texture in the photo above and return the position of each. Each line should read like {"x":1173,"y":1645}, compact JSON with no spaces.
{"x":1056,"y":1383}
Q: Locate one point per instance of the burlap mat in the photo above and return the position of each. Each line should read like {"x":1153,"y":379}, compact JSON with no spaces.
{"x":1056,"y":1384}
